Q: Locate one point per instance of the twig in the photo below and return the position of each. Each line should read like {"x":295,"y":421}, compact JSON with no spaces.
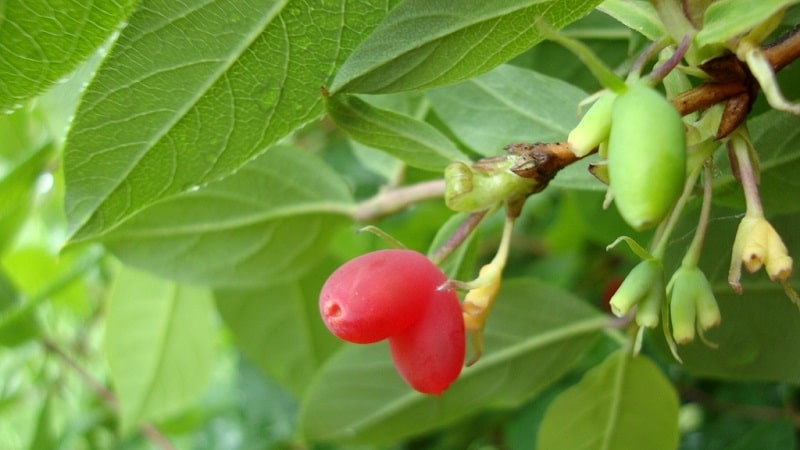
{"x":148,"y":430}
{"x":395,"y":199}
{"x":738,"y":79}
{"x":464,"y":230}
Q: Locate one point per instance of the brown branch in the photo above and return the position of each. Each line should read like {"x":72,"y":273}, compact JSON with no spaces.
{"x":393,"y":200}
{"x":731,"y":77}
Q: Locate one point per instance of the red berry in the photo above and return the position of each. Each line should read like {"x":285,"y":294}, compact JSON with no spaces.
{"x":429,"y":355}
{"x":378,"y":294}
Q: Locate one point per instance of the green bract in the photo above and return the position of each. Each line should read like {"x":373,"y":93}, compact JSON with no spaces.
{"x":646,"y":156}
{"x":469,"y":189}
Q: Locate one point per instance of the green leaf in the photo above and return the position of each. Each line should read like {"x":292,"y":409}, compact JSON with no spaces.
{"x":776,"y":138}
{"x":193,"y":90}
{"x":424,"y":44}
{"x":534,"y":335}
{"x":511,"y":104}
{"x":43,"y":41}
{"x":279,"y":327}
{"x":507,"y":105}
{"x":44,"y":435}
{"x":624,"y":403}
{"x":413,"y":141}
{"x":760,"y":329}
{"x":637,"y":15}
{"x":18,"y":323}
{"x":756,"y":339}
{"x":727,"y":19}
{"x":17,"y":191}
{"x":266,"y":224}
{"x":159,"y":343}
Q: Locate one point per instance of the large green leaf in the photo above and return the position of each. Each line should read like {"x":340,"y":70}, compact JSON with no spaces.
{"x":760,"y":329}
{"x":776,"y":138}
{"x":279,"y":327}
{"x":42,"y":41}
{"x":266,"y":224}
{"x":511,"y":104}
{"x":424,"y":44}
{"x":624,"y":403}
{"x":159,"y":343}
{"x":192,"y":90}
{"x":416,"y":143}
{"x":534,"y":335}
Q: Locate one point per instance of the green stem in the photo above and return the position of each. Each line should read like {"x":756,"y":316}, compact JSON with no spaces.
{"x":747,"y":176}
{"x":662,"y":237}
{"x":692,"y":256}
{"x":604,"y":75}
{"x":461,"y":234}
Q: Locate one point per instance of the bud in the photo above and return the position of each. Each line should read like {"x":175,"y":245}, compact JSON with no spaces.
{"x":757,"y":244}
{"x":594,"y":127}
{"x":692,"y":303}
{"x":642,"y":283}
{"x":646,"y":156}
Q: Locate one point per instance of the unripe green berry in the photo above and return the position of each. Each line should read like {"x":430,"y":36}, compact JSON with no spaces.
{"x":646,"y":156}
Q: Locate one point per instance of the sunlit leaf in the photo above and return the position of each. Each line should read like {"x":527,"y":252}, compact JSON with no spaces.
{"x":624,"y":403}
{"x":424,"y":44}
{"x":42,"y":41}
{"x":535,"y":333}
{"x":159,"y":343}
{"x":193,"y":90}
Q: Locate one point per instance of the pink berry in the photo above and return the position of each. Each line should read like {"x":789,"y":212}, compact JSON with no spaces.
{"x":429,"y":355}
{"x":378,"y":294}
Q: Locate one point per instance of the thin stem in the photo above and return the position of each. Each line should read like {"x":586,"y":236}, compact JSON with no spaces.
{"x":393,"y":200}
{"x":747,"y":175}
{"x":500,"y":258}
{"x":695,"y":248}
{"x":148,"y":430}
{"x":666,"y":67}
{"x":461,"y":234}
{"x":662,"y":237}
{"x":646,"y":56}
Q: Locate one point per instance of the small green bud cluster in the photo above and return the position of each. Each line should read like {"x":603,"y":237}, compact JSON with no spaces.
{"x":643,"y":288}
{"x":646,"y":151}
{"x":691,"y":304}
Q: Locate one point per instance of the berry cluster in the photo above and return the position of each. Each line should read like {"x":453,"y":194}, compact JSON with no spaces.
{"x":395,"y":295}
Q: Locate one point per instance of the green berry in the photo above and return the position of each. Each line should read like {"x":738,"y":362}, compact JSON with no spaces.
{"x":646,"y":156}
